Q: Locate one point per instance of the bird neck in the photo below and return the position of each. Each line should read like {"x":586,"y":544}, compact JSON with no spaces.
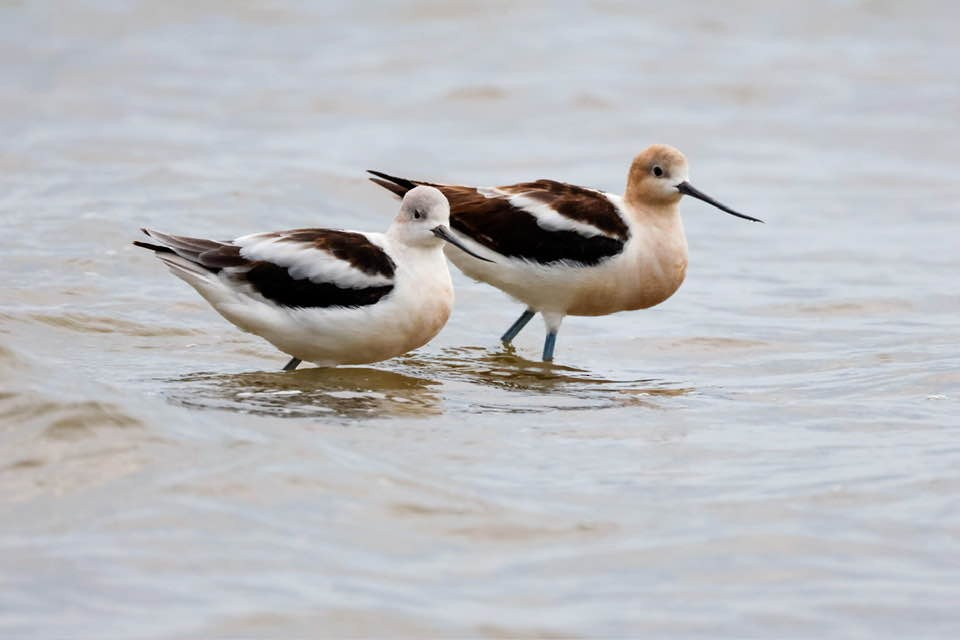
{"x":659,"y":214}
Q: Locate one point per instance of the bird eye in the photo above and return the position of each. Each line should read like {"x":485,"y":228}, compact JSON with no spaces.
{"x":657,"y":171}
{"x":416,"y":215}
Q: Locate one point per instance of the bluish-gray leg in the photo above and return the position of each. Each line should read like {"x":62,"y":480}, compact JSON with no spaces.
{"x":548,"y":346}
{"x":293,"y":364}
{"x":517,"y":326}
{"x":552,"y":320}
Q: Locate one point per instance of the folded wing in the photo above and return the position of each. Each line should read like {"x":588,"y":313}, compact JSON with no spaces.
{"x":301,"y":268}
{"x":544,"y":222}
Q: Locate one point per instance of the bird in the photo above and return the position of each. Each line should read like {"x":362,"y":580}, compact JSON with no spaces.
{"x":563,"y":249}
{"x":328,"y":296}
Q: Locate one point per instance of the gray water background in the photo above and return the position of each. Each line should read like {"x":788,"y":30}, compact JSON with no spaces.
{"x":773,"y":452}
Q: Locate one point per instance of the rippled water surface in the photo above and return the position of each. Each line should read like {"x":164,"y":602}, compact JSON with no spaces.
{"x":774,"y":452}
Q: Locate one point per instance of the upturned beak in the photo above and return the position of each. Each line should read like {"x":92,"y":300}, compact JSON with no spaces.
{"x":688,"y":189}
{"x":444,"y":234}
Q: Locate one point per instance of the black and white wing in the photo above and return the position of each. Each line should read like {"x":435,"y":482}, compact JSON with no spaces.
{"x":300,"y":268}
{"x":544,"y":221}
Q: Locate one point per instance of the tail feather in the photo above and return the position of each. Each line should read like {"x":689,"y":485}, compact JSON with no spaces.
{"x":209,"y":255}
{"x":398,"y":186}
{"x":181,"y":266}
{"x":389,"y":186}
{"x":195,"y":261}
{"x":189,"y":248}
{"x":153,"y":247}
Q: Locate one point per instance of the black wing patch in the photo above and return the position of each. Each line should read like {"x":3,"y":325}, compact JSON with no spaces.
{"x":274,"y":283}
{"x":515,"y":233}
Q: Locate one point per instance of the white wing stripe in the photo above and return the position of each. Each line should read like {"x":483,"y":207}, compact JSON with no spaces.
{"x":550,"y":219}
{"x":305,"y":262}
{"x":492,"y":192}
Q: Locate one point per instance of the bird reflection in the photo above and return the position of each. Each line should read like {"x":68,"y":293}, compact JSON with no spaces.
{"x":504,"y":369}
{"x":344,"y":392}
{"x":471,"y":380}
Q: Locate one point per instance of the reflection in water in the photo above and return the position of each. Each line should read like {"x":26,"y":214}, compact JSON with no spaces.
{"x":544,"y":386}
{"x":348,"y":392}
{"x":473,"y":380}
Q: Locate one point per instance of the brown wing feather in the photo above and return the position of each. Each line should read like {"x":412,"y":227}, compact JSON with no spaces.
{"x":511,"y":231}
{"x":576,"y":203}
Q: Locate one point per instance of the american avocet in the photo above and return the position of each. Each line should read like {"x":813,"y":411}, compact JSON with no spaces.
{"x":328,"y":296}
{"x":568,"y":250}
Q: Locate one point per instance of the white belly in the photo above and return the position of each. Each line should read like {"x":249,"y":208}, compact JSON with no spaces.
{"x":407,"y":318}
{"x":647,"y":272}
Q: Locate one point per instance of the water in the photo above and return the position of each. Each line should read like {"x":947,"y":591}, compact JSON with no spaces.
{"x":771,"y":453}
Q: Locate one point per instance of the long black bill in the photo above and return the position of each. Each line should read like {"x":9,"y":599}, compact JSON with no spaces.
{"x":444,"y":234}
{"x":688,"y":189}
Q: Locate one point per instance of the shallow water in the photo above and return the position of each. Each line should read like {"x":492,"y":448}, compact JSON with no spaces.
{"x":771,"y":453}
